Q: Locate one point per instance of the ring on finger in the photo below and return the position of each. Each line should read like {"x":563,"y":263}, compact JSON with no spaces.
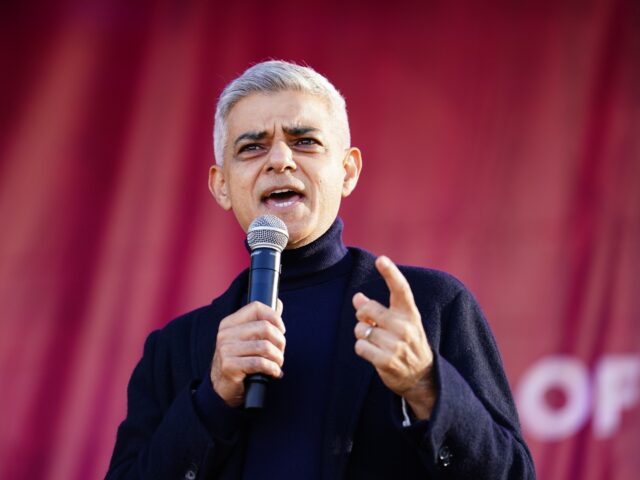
{"x":367,"y":332}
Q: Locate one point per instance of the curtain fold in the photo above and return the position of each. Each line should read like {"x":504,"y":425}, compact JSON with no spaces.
{"x":501,"y":143}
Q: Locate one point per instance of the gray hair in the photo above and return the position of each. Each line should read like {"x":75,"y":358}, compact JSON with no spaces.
{"x":276,"y":76}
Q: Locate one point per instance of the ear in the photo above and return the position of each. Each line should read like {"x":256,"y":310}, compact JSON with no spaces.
{"x":352,"y":166}
{"x":218,"y":186}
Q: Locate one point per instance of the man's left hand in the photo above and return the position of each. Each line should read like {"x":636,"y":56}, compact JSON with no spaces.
{"x":393,"y":340}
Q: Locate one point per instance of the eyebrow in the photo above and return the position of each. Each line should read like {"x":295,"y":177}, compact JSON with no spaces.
{"x":299,"y":131}
{"x":291,"y":131}
{"x":253,"y":136}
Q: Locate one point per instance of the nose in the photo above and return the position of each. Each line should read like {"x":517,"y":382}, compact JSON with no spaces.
{"x":280,"y":157}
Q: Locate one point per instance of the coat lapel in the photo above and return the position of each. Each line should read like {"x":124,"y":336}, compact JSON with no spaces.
{"x":351,"y":374}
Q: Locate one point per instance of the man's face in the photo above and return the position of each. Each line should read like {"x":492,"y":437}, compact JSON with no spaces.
{"x":283,"y":157}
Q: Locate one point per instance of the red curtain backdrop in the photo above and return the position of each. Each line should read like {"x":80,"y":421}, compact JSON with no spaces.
{"x":501,"y":143}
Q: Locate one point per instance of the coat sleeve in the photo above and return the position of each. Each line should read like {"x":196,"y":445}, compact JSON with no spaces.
{"x":473,"y":432}
{"x":173,"y":429}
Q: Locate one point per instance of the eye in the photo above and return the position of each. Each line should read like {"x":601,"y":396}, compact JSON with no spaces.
{"x":250,"y":147}
{"x":307,"y":142}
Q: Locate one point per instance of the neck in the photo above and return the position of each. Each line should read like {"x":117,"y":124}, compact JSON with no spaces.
{"x":322,"y":253}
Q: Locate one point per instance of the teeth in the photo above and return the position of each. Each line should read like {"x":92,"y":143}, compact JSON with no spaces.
{"x":284,"y":204}
{"x":294,"y":197}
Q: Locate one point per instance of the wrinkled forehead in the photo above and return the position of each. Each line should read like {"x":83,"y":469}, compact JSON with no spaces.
{"x":290,"y":109}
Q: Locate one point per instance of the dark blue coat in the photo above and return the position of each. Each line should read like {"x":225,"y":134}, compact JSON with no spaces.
{"x":473,"y":432}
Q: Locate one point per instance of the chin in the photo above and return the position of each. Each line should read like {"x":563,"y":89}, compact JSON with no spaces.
{"x":296,"y":241}
{"x":298,"y":237}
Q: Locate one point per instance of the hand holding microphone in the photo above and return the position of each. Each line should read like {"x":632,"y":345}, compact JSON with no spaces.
{"x":250,"y":342}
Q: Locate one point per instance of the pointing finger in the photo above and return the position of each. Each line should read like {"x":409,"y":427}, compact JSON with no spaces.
{"x":401,"y":297}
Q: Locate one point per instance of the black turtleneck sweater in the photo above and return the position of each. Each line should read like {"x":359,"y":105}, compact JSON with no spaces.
{"x":285,"y":440}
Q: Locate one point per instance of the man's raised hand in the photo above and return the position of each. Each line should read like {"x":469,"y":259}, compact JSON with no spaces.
{"x":393,"y":340}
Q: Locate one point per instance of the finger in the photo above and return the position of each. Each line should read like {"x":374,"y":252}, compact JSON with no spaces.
{"x":372,"y":353}
{"x":374,"y":313}
{"x":359,"y":299}
{"x":363,"y":331}
{"x":251,"y":312}
{"x":279,"y":307}
{"x":253,"y":348}
{"x":384,"y":339}
{"x":256,"y":330}
{"x":401,"y":297}
{"x":249,"y":365}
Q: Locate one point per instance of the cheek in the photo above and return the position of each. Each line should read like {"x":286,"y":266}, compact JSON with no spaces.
{"x":331,"y":195}
{"x":241,"y":187}
{"x":241,"y":199}
{"x":330,"y":181}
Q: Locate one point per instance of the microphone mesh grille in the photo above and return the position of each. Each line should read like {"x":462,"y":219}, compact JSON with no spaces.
{"x":267,"y":231}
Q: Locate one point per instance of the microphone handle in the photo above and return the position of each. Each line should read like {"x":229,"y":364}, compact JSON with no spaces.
{"x":264,"y":276}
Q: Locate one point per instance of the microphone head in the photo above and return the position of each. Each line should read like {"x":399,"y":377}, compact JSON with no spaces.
{"x":267,"y":231}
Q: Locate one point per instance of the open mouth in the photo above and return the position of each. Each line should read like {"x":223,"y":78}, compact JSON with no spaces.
{"x":282,"y":198}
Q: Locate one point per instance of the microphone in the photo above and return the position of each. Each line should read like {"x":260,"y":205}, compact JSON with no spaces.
{"x":267,"y":236}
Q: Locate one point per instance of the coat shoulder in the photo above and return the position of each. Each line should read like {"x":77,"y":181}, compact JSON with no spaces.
{"x":425,"y":282}
{"x":434,"y":283}
{"x":219,"y":307}
{"x":192,"y":335}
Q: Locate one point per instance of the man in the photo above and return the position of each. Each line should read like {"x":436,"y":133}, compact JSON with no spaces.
{"x":378,"y":371}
